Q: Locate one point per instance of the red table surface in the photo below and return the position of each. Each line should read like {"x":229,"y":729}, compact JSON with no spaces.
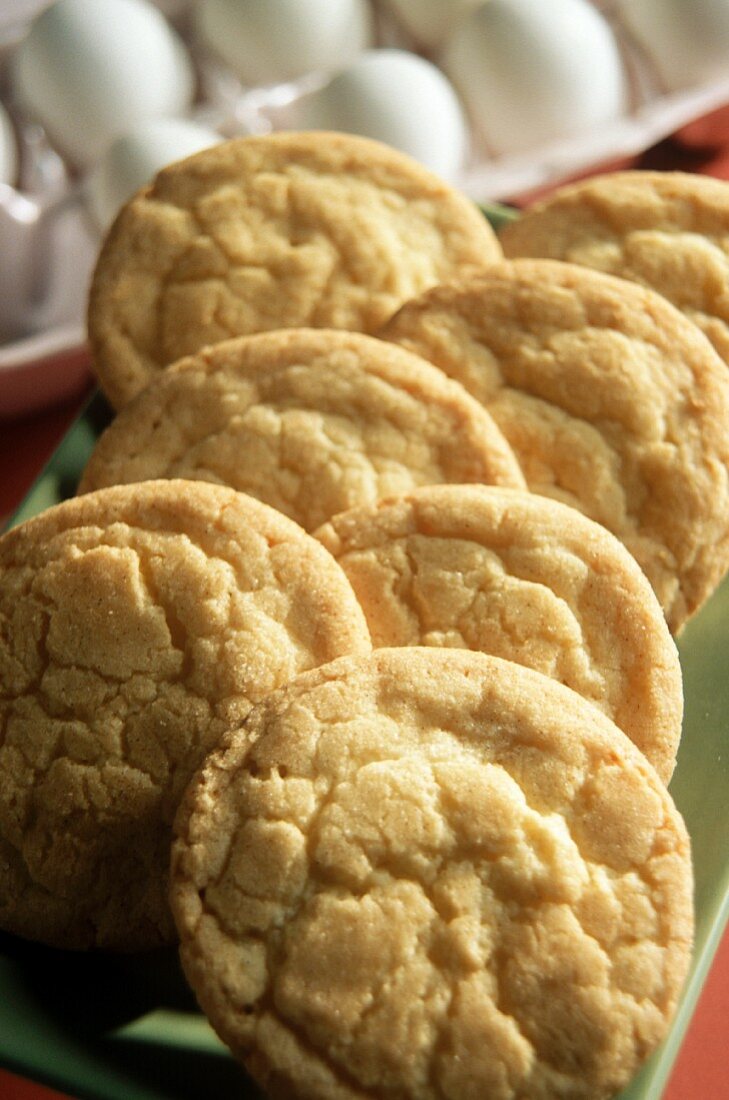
{"x":701,"y":1071}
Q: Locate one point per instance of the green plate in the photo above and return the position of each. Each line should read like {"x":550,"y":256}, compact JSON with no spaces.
{"x":127,"y":1028}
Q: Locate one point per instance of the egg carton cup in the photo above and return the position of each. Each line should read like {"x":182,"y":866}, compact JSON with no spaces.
{"x":49,"y":241}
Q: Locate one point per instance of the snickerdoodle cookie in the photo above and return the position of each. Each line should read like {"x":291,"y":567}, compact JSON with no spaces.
{"x":521,"y":577}
{"x":666,"y":230}
{"x":137,"y":625}
{"x":612,"y":400}
{"x":288,"y":230}
{"x":310,"y":421}
{"x":432,"y":873}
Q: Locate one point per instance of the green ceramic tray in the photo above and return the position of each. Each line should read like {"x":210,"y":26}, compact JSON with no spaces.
{"x":118,"y":1028}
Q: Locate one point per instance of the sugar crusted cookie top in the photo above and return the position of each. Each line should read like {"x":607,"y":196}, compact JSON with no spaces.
{"x":521,"y":577}
{"x":612,"y":401}
{"x":666,"y":230}
{"x":432,"y":873}
{"x":287,"y":230}
{"x":310,"y":421}
{"x":137,"y":625}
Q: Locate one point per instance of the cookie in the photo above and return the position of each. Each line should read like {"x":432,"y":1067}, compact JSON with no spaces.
{"x":611,"y":399}
{"x":284,"y":231}
{"x":666,"y":230}
{"x":524,"y":578}
{"x":137,"y":625}
{"x":432,"y":873}
{"x":310,"y":421}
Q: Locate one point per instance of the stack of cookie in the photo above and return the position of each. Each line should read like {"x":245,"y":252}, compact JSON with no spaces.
{"x":448,"y":867}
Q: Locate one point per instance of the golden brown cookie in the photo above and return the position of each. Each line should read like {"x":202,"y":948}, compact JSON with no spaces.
{"x":137,"y":625}
{"x":612,"y":400}
{"x":666,"y":230}
{"x":310,"y":421}
{"x":524,"y":578}
{"x":287,"y":230}
{"x":432,"y":873}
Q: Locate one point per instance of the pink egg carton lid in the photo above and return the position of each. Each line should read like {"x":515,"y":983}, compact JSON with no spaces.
{"x":41,"y":370}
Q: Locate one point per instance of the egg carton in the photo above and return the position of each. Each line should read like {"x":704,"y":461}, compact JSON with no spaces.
{"x":49,"y":238}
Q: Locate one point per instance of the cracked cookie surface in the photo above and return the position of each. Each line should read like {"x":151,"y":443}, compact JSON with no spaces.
{"x":611,"y":399}
{"x":432,"y":874}
{"x":521,"y":577}
{"x":284,"y":231}
{"x":666,"y":230}
{"x":137,"y":625}
{"x":311,"y":422}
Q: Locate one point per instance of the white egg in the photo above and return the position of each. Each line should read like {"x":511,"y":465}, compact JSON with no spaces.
{"x":270,"y":41}
{"x":430,"y":22}
{"x":532,"y":72}
{"x":133,"y":159}
{"x":394,"y":97}
{"x":88,"y":70}
{"x":8,"y":149}
{"x":687,"y":39}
